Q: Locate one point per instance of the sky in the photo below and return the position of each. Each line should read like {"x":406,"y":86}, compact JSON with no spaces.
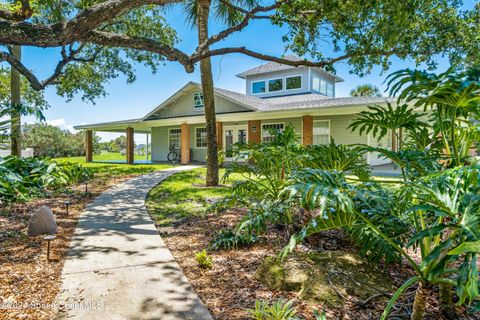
{"x":127,"y":101}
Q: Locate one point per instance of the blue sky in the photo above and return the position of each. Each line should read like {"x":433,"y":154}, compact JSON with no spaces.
{"x":126,"y":101}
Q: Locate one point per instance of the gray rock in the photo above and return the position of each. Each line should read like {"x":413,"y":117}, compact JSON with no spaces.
{"x":42,"y":222}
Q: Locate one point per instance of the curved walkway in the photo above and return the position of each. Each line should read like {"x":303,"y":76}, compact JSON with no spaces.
{"x":118,"y":266}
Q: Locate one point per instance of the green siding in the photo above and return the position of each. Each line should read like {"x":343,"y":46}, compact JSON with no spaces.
{"x":338,"y":131}
{"x":184,"y":107}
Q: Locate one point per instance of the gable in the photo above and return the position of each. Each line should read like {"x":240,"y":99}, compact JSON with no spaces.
{"x":183,"y":106}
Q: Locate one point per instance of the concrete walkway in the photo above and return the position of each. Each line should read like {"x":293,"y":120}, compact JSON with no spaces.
{"x":118,"y":266}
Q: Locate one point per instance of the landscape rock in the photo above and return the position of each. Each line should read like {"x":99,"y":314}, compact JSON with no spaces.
{"x":42,"y":222}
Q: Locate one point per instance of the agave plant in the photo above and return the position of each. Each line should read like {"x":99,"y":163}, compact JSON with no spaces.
{"x":443,"y":212}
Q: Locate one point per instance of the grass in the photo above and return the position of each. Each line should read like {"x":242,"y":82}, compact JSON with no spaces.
{"x":114,"y":169}
{"x":183,"y":195}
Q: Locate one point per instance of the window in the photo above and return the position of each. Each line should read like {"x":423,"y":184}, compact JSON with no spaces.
{"x":329,"y":89}
{"x":268,"y":129}
{"x":258,"y":87}
{"x":200,"y":137}
{"x":321,"y":132}
{"x":174,"y":138}
{"x":316,"y":84}
{"x":293,"y":83}
{"x":322,"y":86}
{"x":275,"y":85}
{"x":197,"y":101}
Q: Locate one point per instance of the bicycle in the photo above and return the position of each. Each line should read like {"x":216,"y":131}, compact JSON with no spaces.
{"x":174,"y":155}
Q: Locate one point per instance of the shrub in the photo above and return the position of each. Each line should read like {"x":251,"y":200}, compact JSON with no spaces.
{"x":279,"y":310}
{"x":22,"y":179}
{"x":229,"y":239}
{"x":204,"y":260}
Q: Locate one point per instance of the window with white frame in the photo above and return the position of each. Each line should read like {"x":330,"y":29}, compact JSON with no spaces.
{"x":174,"y":138}
{"x":198,"y":101}
{"x":200,"y":137}
{"x":330,"y":89}
{"x":275,"y":85}
{"x":269,"y":129}
{"x":258,"y":87}
{"x":292,"y":83}
{"x":321,"y":132}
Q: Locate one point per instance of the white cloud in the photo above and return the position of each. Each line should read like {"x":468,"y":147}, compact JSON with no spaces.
{"x":62,"y":124}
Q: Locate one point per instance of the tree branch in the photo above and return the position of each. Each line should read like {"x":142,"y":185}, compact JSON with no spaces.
{"x":295,"y":63}
{"x":24,"y":13}
{"x":249,"y":15}
{"x":30,"y":76}
{"x":117,"y":40}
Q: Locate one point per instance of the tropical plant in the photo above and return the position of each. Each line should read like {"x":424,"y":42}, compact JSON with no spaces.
{"x":22,"y":179}
{"x":379,"y":120}
{"x":366,"y":90}
{"x":232,"y":239}
{"x":278,"y":310}
{"x":444,"y":214}
{"x":453,"y":99}
{"x":337,"y":157}
{"x":265,"y":166}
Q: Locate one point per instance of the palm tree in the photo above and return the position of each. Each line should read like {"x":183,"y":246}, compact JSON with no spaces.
{"x":366,"y":90}
{"x":198,"y":12}
{"x":15,"y":127}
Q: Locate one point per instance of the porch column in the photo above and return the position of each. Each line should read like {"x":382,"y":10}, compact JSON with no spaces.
{"x":185,"y":143}
{"x":130,"y":146}
{"x":254,"y":131}
{"x":88,"y":145}
{"x":307,"y":130}
{"x":219,"y":130}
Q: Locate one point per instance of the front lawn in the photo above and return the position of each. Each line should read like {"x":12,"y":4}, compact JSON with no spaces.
{"x":183,"y":195}
{"x":114,"y":169}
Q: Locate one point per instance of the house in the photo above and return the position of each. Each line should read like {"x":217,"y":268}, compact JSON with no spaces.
{"x":275,"y":96}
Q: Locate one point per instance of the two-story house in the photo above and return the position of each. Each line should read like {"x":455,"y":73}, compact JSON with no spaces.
{"x":276,"y":96}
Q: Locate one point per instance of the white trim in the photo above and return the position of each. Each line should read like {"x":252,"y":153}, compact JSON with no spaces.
{"x":309,"y":81}
{"x":267,"y":123}
{"x":234,"y":127}
{"x":301,"y":82}
{"x":169,"y":129}
{"x":195,"y":135}
{"x":264,"y":82}
{"x":329,"y":129}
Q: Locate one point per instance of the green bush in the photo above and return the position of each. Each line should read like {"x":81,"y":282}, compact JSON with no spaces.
{"x":22,"y":179}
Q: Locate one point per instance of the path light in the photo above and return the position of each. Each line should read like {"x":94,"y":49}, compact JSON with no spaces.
{"x":86,"y":187}
{"x":49,"y":238}
{"x":67,"y":204}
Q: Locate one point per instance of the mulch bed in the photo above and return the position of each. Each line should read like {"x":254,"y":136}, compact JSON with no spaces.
{"x":29,"y":282}
{"x":232,"y":286}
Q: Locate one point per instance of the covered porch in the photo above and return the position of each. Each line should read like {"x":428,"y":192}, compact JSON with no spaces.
{"x":129,"y":129}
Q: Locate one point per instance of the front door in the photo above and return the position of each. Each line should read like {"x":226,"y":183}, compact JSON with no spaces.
{"x":232,"y":135}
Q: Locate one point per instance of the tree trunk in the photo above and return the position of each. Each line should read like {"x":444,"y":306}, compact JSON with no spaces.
{"x":420,"y":302}
{"x":15,"y":115}
{"x":208,"y":96}
{"x":446,"y":302}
